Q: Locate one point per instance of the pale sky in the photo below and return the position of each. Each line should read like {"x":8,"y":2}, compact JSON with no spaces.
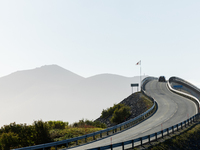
{"x":106,"y":36}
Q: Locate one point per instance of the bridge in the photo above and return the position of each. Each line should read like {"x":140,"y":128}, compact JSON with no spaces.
{"x":174,"y":109}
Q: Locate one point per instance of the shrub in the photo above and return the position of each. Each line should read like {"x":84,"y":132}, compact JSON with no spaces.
{"x":57,"y":124}
{"x":120,"y":114}
{"x":83,"y":123}
{"x":8,"y":140}
{"x":41,"y":132}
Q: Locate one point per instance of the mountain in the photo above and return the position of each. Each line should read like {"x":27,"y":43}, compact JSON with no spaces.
{"x":54,"y":93}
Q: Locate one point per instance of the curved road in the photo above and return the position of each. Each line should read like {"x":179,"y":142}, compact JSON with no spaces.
{"x":172,"y":109}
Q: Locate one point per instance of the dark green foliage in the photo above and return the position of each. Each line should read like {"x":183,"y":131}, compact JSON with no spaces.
{"x":8,"y":140}
{"x":86,"y":123}
{"x":57,"y":124}
{"x":109,"y":111}
{"x":119,"y":113}
{"x":24,"y":133}
{"x":41,"y":132}
{"x":20,"y":135}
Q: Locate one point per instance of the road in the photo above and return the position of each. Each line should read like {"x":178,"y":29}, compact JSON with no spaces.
{"x":172,"y":109}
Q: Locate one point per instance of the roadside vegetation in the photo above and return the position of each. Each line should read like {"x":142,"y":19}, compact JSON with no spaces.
{"x":22,"y":135}
{"x":119,"y":113}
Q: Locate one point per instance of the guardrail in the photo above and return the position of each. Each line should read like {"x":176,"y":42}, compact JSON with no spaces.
{"x":193,"y":98}
{"x":112,"y":130}
{"x":176,"y":79}
{"x":152,"y":137}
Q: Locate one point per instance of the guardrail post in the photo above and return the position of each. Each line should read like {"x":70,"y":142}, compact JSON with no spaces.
{"x":185,"y":123}
{"x":56,"y":147}
{"x":177,"y":127}
{"x":93,"y":137}
{"x":181,"y":125}
{"x":100,"y":135}
{"x":76,"y":142}
{"x":132,"y":143}
{"x":141,"y":141}
{"x":113,"y":130}
{"x":156,"y":136}
{"x":168,"y":131}
{"x":107,"y":132}
{"x":120,"y":128}
{"x":149,"y":138}
{"x":122,"y":145}
{"x":188,"y":122}
{"x":111,"y":147}
{"x":86,"y":139}
{"x":67,"y":145}
{"x":173,"y":129}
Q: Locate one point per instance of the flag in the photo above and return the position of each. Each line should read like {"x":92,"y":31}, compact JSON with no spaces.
{"x":139,"y":63}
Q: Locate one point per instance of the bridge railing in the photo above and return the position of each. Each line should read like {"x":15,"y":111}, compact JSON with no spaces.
{"x":152,"y":137}
{"x":106,"y":132}
{"x":176,"y":79}
{"x":191,"y":97}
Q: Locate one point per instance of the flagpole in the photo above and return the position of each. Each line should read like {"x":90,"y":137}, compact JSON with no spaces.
{"x":140,"y":73}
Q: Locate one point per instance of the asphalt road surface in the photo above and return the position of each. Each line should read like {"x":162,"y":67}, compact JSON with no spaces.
{"x":172,"y":109}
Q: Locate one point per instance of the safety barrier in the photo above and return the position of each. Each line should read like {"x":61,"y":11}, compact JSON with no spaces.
{"x":191,"y":97}
{"x":106,"y":132}
{"x":152,"y":137}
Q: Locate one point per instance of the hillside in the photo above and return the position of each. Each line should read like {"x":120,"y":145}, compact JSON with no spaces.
{"x":138,"y":104}
{"x":54,"y":93}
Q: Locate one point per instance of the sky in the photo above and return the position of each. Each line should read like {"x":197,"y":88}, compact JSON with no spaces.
{"x":106,"y":36}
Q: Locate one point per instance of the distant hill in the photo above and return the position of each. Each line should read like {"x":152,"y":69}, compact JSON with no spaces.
{"x":54,"y":93}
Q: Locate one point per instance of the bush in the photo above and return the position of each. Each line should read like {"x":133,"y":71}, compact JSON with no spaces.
{"x":8,"y":140}
{"x":89,"y":123}
{"x":41,"y":131}
{"x":57,"y":124}
{"x":120,"y":114}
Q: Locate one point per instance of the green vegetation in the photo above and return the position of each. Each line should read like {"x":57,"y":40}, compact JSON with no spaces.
{"x":87,"y":123}
{"x":188,"y":140}
{"x":119,"y":113}
{"x":22,"y":135}
{"x":147,"y":102}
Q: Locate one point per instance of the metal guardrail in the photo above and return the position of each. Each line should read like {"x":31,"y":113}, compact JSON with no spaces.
{"x":193,"y":98}
{"x":152,"y":137}
{"x":176,"y":79}
{"x":124,"y":125}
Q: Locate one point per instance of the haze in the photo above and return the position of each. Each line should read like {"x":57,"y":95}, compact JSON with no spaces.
{"x":54,"y":93}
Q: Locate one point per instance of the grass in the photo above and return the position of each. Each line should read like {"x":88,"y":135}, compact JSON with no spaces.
{"x":147,"y":101}
{"x":72,"y":132}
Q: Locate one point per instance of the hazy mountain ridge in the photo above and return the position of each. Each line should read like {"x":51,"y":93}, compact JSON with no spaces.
{"x":54,"y":93}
